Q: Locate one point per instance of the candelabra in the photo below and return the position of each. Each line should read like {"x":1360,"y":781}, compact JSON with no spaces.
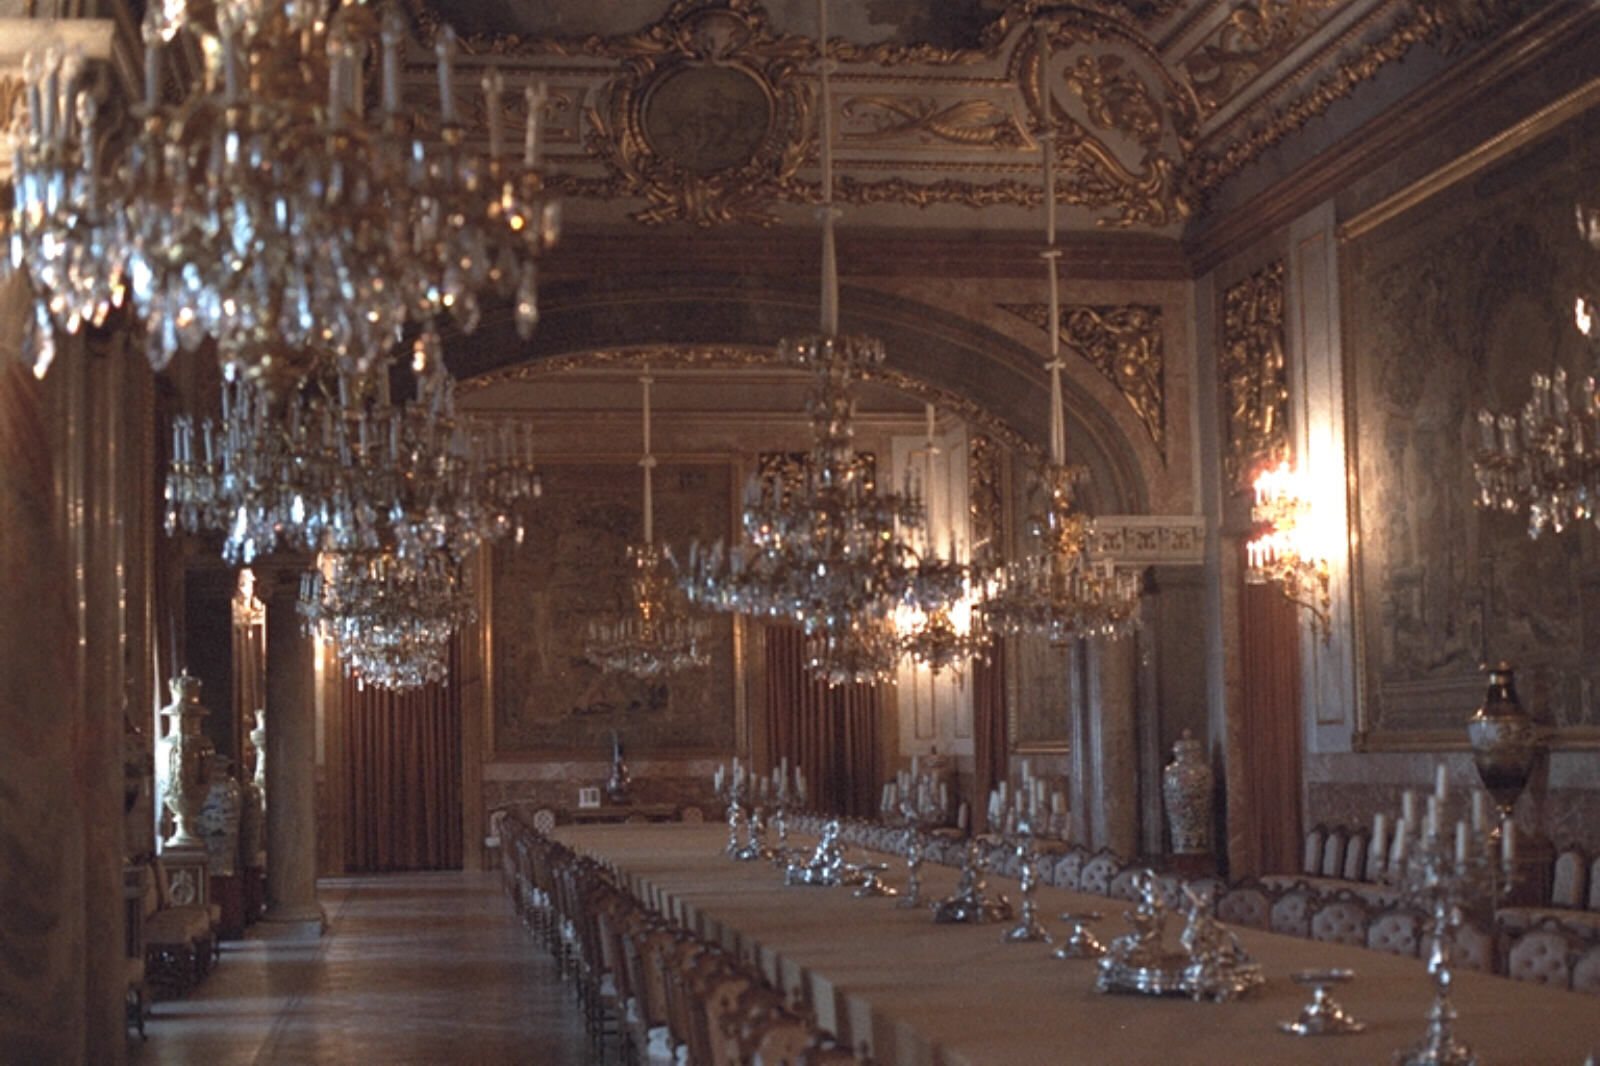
{"x":732,"y":789}
{"x":1282,"y":551}
{"x":1021,"y":818}
{"x":1542,"y":460}
{"x":296,"y":232}
{"x":1445,"y":874}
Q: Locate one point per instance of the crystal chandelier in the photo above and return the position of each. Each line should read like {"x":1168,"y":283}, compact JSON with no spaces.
{"x":830,"y":553}
{"x":297,"y":229}
{"x":391,"y":620}
{"x":1546,"y":459}
{"x":348,"y":469}
{"x":1284,"y":552}
{"x":1061,"y":591}
{"x":656,"y":635}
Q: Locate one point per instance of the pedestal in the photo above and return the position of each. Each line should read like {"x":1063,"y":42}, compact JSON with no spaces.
{"x":291,"y":770}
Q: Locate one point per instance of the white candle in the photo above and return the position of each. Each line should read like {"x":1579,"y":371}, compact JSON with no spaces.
{"x":1461,"y":841}
{"x":1401,"y":838}
{"x":1508,"y":842}
{"x":915,"y":765}
{"x":1478,"y":812}
{"x":1408,"y":808}
{"x":1441,"y":781}
{"x":944,"y":797}
{"x":1430,"y":821}
{"x":1058,"y":803}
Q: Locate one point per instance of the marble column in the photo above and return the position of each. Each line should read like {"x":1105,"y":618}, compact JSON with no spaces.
{"x":292,"y":905}
{"x":1113,"y":814}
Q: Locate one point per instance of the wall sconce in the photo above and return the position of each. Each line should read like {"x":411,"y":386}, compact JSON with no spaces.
{"x":1285,"y":548}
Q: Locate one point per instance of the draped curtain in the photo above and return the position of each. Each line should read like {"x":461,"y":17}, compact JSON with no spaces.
{"x":830,"y":733}
{"x":1266,"y":835}
{"x":403,"y":777}
{"x":990,"y":742}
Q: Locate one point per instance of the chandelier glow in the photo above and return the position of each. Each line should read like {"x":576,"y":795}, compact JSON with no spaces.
{"x":295,"y":229}
{"x":1284,"y":551}
{"x":1545,"y":460}
{"x":657,"y":634}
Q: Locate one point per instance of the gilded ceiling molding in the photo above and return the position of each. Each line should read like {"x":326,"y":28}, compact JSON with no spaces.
{"x":1255,"y":36}
{"x":1447,"y":23}
{"x":924,"y":120}
{"x":1254,"y":374}
{"x":1123,"y":342}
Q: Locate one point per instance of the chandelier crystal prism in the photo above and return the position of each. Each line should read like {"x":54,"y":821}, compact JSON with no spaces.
{"x":297,"y":227}
{"x":657,"y":634}
{"x":1061,"y":591}
{"x":1544,"y":460}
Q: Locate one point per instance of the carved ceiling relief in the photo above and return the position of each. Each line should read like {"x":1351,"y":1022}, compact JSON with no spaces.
{"x":1123,"y":342}
{"x":1255,"y":35}
{"x":1255,"y":384}
{"x":710,"y":115}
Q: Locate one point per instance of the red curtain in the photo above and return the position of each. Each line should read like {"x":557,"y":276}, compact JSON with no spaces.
{"x":990,"y":743}
{"x":1265,"y":837}
{"x":403,"y":778}
{"x":830,"y":733}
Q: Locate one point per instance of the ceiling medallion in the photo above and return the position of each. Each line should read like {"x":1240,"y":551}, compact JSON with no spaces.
{"x":707,"y":121}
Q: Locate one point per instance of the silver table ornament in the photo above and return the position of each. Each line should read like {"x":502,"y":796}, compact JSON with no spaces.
{"x":971,"y":902}
{"x":826,"y":865}
{"x":1080,"y":943}
{"x":1322,"y":1016}
{"x":1211,"y":964}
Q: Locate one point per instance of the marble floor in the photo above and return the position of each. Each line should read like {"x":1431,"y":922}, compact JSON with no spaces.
{"x":416,"y":968}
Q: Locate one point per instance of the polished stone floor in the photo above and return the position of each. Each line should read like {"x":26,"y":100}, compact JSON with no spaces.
{"x":418,"y":968}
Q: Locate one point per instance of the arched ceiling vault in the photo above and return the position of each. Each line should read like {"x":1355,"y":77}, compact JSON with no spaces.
{"x":992,"y":382}
{"x":706,"y":111}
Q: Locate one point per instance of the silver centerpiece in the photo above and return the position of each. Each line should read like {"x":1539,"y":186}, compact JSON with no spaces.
{"x":620,"y":780}
{"x":1209,"y":964}
{"x":1028,"y":928}
{"x":868,"y":884}
{"x":919,"y":807}
{"x":826,"y":865}
{"x":732,"y":789}
{"x":971,"y":902}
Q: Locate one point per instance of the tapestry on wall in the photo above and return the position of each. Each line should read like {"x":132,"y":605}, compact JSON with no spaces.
{"x":548,"y":698}
{"x":1448,"y":309}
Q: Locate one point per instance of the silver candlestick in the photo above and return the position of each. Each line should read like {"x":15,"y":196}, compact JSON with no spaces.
{"x":733,"y":792}
{"x":917,"y":809}
{"x":1444,"y":874}
{"x":1028,"y":928}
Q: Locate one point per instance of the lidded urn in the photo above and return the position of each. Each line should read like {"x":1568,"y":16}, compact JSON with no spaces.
{"x":1504,"y":741}
{"x":183,"y":759}
{"x":1186,"y":789}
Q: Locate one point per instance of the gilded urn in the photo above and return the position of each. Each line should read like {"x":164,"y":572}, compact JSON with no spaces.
{"x":1186,"y":788}
{"x":183,"y":761}
{"x":1504,"y":740}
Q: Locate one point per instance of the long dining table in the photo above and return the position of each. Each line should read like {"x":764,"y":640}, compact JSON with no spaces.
{"x":910,"y":992}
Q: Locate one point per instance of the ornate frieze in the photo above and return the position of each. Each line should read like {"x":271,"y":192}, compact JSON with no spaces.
{"x":1254,"y":375}
{"x":1254,"y":36}
{"x":1123,"y":342}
